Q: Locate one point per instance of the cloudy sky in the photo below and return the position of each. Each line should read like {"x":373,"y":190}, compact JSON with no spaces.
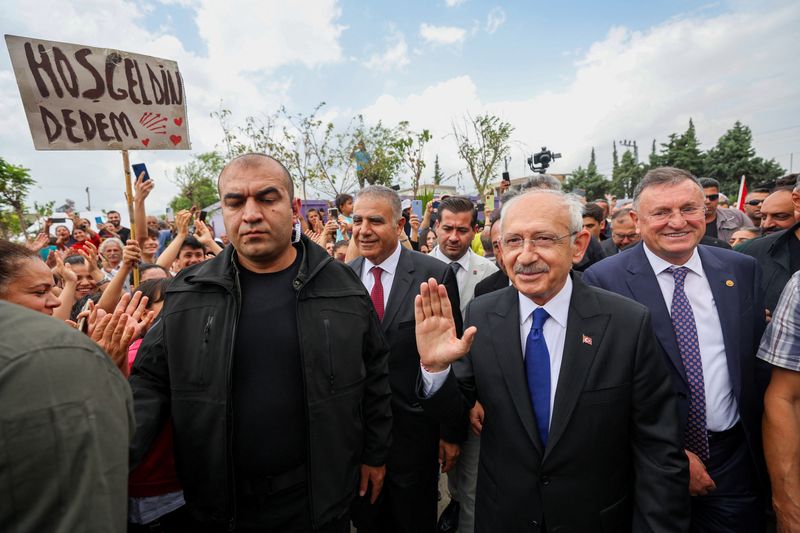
{"x":569,"y":75}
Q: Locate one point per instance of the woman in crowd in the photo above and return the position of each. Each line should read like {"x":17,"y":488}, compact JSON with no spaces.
{"x":83,"y":237}
{"x":25,"y":279}
{"x":150,"y":246}
{"x":427,"y":240}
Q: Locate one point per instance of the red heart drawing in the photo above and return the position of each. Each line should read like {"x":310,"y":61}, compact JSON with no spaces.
{"x":145,"y":141}
{"x":177,"y":121}
{"x":175,"y":139}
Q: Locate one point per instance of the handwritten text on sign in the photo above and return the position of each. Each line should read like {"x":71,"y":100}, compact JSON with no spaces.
{"x":83,"y":98}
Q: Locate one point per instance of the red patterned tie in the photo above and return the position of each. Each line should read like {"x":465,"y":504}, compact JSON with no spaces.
{"x":377,"y":291}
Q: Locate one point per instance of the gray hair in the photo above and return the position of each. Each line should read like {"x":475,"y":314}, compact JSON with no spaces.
{"x":535,"y":182}
{"x":571,"y":202}
{"x":108,"y":242}
{"x":662,"y":176}
{"x":541,"y":181}
{"x":384,"y":194}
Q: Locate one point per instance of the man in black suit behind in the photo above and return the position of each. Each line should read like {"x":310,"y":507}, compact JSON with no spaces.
{"x":581,"y":433}
{"x":719,"y":383}
{"x":392,"y":275}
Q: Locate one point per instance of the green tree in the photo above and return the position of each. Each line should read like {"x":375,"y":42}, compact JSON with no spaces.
{"x":197,"y":181}
{"x":437,"y":172}
{"x":626,"y":176}
{"x":410,"y":145}
{"x":588,"y":179}
{"x":15,"y":182}
{"x":734,"y":156}
{"x":383,"y":151}
{"x":681,"y":151}
{"x":483,"y":142}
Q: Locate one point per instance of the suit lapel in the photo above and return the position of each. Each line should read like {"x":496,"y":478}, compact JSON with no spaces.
{"x":724,"y":288}
{"x":504,"y":325}
{"x":586,"y":325}
{"x":644,"y":287}
{"x":403,"y":280}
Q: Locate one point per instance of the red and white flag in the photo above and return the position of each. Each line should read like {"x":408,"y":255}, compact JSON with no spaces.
{"x":742,"y":195}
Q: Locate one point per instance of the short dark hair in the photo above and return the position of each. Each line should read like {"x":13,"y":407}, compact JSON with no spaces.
{"x":662,"y":176}
{"x":342,"y":199}
{"x":255,"y":159}
{"x":152,"y":233}
{"x":707,"y":183}
{"x":112,"y":211}
{"x":459,"y":204}
{"x":340,"y":244}
{"x":789,"y":180}
{"x":154,"y":289}
{"x":150,"y":266}
{"x":193,"y":243}
{"x":595,"y":211}
{"x":11,"y":255}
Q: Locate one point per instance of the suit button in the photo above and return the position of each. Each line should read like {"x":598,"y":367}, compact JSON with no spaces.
{"x":545,"y":481}
{"x":535,"y":524}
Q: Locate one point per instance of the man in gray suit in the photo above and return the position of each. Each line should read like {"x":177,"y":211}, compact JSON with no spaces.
{"x":455,"y":232}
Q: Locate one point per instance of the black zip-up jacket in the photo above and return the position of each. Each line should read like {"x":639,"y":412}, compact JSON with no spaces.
{"x":183,"y":370}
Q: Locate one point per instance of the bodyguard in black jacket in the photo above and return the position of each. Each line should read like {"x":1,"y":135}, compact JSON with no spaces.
{"x":199,"y":367}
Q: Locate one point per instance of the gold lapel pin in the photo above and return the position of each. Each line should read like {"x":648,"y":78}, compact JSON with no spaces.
{"x":729,"y":283}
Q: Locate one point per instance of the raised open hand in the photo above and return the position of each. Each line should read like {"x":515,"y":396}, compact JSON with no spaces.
{"x":437,"y":342}
{"x":182,"y":221}
{"x":41,"y":240}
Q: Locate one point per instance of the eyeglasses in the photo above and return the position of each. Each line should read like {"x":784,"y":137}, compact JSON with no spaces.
{"x":712,"y":197}
{"x":517,"y":242}
{"x":623,"y":236}
{"x":755,"y":202}
{"x":689,"y":212}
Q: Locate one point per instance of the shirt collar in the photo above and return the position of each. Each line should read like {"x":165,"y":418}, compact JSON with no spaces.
{"x":463,"y":260}
{"x":659,"y":265}
{"x":389,"y":264}
{"x":557,"y":307}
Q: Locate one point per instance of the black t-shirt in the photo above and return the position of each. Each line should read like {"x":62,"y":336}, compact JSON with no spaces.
{"x":711,"y":228}
{"x":125,"y":234}
{"x":794,"y":253}
{"x":269,"y":419}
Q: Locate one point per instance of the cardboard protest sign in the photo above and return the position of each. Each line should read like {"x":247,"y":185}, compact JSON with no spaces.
{"x":83,"y":98}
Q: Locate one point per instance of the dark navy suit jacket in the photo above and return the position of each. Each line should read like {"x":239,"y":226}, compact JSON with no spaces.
{"x":735,"y":281}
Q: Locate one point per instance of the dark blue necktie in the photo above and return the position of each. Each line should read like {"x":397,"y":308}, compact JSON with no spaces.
{"x":537,"y":368}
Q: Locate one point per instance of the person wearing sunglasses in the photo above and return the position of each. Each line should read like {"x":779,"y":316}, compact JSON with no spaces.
{"x":752,"y":204}
{"x":720,"y":222}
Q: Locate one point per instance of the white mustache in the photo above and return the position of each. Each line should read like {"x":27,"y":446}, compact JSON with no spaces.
{"x":535,"y":268}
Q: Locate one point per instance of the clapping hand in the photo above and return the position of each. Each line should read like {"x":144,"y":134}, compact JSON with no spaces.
{"x":40,"y":242}
{"x":437,"y":342}
{"x":115,"y":332}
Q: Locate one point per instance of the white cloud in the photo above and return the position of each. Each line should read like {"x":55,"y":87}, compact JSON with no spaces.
{"x":394,"y":57}
{"x":495,"y":19}
{"x":636,"y":85}
{"x":442,"y":34}
{"x":454,"y":3}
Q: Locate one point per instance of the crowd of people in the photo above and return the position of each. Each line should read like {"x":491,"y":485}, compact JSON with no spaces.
{"x":569,"y":365}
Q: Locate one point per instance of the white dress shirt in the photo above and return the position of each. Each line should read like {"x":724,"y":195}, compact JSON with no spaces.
{"x":554,"y":331}
{"x":721,"y":409}
{"x":389,"y":267}
{"x":463,"y":261}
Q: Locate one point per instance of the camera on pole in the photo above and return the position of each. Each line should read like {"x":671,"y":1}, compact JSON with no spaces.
{"x":540,"y":161}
